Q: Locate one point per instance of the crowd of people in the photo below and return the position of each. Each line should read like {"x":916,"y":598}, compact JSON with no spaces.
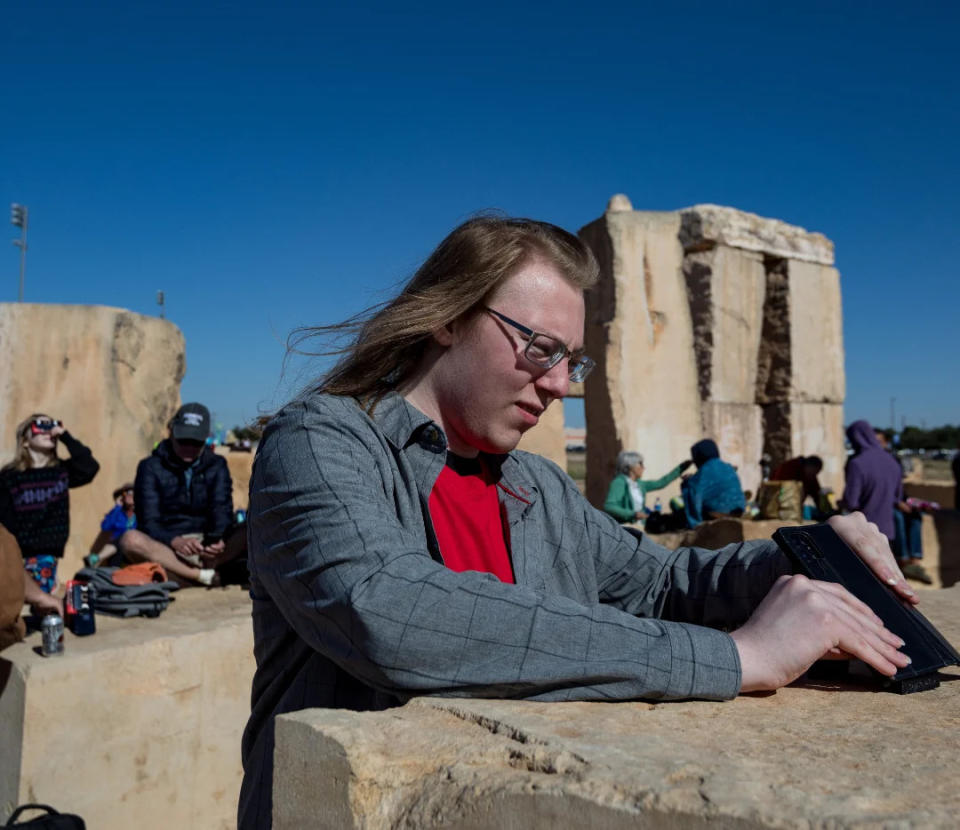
{"x":399,"y":544}
{"x":874,"y":486}
{"x":178,"y":511}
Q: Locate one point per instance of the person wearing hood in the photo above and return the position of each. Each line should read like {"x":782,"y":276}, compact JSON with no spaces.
{"x":873,"y":479}
{"x":714,"y":489}
{"x":184,"y":504}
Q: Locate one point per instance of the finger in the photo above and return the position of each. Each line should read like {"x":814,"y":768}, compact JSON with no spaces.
{"x":841,"y":593}
{"x":884,"y":641}
{"x":857,"y":615}
{"x":874,"y":652}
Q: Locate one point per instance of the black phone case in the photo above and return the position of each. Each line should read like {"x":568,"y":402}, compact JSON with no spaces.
{"x":820,"y":553}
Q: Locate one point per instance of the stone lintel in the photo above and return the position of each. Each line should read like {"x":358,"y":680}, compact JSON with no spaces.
{"x":817,"y":754}
{"x":705,"y":226}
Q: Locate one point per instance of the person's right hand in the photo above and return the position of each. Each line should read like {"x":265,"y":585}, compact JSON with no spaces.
{"x":186,"y":546}
{"x":802,"y":620}
{"x":46,"y":604}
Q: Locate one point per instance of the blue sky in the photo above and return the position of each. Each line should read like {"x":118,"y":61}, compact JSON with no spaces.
{"x":270,"y":166}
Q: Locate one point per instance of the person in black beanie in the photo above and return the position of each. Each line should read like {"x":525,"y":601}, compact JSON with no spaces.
{"x":34,"y":493}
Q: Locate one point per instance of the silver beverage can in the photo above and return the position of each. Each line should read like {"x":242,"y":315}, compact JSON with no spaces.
{"x":52,"y":630}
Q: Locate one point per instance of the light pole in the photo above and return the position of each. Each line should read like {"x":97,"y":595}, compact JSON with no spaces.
{"x":161,"y":300}
{"x":19,"y":217}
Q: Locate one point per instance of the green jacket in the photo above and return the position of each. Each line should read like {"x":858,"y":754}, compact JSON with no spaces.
{"x":619,"y":503}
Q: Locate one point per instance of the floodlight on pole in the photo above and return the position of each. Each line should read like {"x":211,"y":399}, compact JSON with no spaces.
{"x":160,"y":302}
{"x":20,"y":218}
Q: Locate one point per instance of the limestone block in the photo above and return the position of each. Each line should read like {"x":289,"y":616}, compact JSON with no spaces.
{"x":547,"y":438}
{"x":816,"y":333}
{"x":815,"y":754}
{"x":643,"y":395}
{"x":726,"y":288}
{"x":705,"y":226}
{"x":738,"y":430}
{"x":112,"y":376}
{"x":138,"y":725}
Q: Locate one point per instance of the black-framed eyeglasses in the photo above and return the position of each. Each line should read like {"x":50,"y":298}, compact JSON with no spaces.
{"x":546,"y":352}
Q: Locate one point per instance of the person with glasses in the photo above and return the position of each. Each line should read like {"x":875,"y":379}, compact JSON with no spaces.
{"x":35,"y":500}
{"x":183,"y":495}
{"x":400,"y":544}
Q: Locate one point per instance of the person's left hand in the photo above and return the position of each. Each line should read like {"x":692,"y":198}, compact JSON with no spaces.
{"x":56,"y":432}
{"x":874,"y":549}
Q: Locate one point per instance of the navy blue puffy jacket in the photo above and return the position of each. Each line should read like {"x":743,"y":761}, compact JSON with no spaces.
{"x":166,"y":509}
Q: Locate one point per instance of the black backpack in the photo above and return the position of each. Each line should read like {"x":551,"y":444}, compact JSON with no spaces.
{"x":51,"y":821}
{"x":126,"y":600}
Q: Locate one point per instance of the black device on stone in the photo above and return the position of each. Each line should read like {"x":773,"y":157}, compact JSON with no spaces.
{"x":820,"y":553}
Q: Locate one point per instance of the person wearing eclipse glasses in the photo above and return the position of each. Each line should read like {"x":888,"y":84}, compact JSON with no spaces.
{"x":184,"y":506}
{"x":35,"y":500}
{"x":400,"y":544}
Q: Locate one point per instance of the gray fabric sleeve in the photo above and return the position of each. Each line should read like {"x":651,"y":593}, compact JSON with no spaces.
{"x":360,"y":588}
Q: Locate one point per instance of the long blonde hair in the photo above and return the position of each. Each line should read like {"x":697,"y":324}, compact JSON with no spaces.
{"x":23,"y":460}
{"x":387,"y":342}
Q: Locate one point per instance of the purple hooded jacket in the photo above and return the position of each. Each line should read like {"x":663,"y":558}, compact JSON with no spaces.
{"x":873,"y":478}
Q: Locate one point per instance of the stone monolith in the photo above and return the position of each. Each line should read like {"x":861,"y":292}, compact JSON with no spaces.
{"x":712,"y":322}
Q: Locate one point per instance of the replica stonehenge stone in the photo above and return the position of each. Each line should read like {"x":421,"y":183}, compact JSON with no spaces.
{"x":112,"y":376}
{"x":137,"y":726}
{"x":823,"y":754}
{"x":712,"y":322}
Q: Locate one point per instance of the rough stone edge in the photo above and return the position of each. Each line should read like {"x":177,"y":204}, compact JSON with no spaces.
{"x":704,"y":226}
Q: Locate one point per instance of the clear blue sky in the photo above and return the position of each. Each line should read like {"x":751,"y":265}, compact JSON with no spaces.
{"x":269,"y":166}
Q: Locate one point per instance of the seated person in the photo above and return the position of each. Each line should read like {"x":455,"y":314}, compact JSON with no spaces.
{"x":806,"y":470}
{"x":626,"y":498}
{"x":184,"y":504}
{"x":714,"y":490}
{"x":121,"y":518}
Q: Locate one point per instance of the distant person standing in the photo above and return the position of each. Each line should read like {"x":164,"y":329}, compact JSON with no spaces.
{"x":34,"y":493}
{"x":715,"y":488}
{"x":873,"y":476}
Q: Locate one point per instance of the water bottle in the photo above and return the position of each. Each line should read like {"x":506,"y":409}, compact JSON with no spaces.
{"x":658,"y":506}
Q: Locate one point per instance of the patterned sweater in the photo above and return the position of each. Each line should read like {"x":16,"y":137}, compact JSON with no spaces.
{"x":35,"y":503}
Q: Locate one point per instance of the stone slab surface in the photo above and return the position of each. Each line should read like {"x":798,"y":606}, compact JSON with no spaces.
{"x":137,"y":725}
{"x":814,"y":755}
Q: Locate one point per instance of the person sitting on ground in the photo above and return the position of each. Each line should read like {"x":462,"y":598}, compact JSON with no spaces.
{"x":35,"y":497}
{"x":184,"y":504}
{"x":119,"y":519}
{"x":401,"y":545}
{"x":715,"y":489}
{"x":626,"y":498}
{"x":806,"y":469}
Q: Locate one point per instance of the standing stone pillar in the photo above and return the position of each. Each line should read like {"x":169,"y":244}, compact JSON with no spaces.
{"x":712,"y":322}
{"x":643,"y":395}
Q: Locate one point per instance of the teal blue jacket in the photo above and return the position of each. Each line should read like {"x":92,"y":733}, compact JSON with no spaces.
{"x":619,"y":503}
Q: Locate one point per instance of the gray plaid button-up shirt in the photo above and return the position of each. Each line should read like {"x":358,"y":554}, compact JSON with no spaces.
{"x":353,"y":607}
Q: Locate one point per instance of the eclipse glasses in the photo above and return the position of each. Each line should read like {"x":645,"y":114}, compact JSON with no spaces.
{"x":39,"y":425}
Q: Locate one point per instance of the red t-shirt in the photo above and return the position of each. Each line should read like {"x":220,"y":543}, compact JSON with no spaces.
{"x":465,"y":510}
